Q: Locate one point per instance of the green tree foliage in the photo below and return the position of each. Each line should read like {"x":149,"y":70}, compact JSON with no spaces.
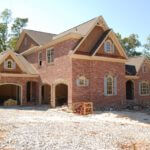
{"x":130,"y":44}
{"x":147,"y":48}
{"x":10,"y":29}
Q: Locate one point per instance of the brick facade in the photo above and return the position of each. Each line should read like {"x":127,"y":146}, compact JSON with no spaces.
{"x":67,"y":69}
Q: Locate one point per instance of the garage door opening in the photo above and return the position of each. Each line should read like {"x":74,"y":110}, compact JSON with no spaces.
{"x":10,"y":91}
{"x":61,"y":93}
{"x":46,"y":94}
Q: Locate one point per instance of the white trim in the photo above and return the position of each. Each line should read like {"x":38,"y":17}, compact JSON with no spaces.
{"x":99,"y":58}
{"x":18,"y":75}
{"x":21,"y":92}
{"x":132,"y":77}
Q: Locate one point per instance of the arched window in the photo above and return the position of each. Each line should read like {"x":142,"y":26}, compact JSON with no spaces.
{"x":108,"y":47}
{"x":110,"y":85}
{"x":144,"y":88}
{"x":9,"y":64}
{"x":82,"y":81}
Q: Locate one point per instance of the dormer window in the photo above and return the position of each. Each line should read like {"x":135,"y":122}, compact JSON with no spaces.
{"x":108,"y":47}
{"x":9,"y":64}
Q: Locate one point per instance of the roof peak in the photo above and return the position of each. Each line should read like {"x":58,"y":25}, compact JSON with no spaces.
{"x":37,"y":31}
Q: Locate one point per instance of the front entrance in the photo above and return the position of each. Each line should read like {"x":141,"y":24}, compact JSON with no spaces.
{"x":10,"y":91}
{"x":61,"y":94}
{"x":129,"y":90}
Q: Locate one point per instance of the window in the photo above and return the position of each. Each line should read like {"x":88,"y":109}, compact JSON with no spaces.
{"x":144,"y":88}
{"x":82,"y":81}
{"x":9,"y":64}
{"x":50,"y":56}
{"x":40,"y":58}
{"x":108,"y":47}
{"x":144,"y":69}
{"x":25,"y":41}
{"x":110,"y":85}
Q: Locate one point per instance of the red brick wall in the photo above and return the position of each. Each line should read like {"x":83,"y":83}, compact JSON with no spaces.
{"x":30,"y":43}
{"x":60,"y":69}
{"x":95,"y":72}
{"x":142,"y":77}
{"x":21,"y":81}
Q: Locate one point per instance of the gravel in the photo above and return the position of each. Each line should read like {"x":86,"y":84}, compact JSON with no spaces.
{"x":40,"y":128}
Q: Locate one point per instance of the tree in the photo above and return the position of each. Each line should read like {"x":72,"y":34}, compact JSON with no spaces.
{"x":9,"y":37}
{"x":16,"y":29}
{"x":130,"y":44}
{"x":146,"y":46}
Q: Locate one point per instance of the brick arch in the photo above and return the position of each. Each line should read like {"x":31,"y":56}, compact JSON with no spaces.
{"x":55,"y":85}
{"x":20,"y":91}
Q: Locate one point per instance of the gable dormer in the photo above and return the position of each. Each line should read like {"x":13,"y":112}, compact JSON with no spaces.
{"x":100,"y":42}
{"x":26,"y":43}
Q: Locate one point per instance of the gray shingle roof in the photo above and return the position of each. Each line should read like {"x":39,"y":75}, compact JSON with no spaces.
{"x":39,"y":37}
{"x":136,"y":61}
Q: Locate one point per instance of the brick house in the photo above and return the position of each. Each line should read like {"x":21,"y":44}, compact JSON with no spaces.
{"x":84,"y":63}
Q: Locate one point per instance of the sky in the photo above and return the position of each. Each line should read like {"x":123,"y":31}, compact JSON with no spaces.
{"x":55,"y":16}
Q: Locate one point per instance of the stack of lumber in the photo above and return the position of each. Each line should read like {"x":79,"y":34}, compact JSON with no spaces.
{"x":83,"y":108}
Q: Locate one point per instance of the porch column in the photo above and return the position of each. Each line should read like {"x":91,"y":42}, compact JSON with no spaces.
{"x":53,"y":104}
{"x":40,"y":95}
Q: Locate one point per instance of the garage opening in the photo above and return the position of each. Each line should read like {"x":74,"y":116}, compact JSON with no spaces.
{"x":10,"y":91}
{"x":32,"y":94}
{"x":129,"y":90}
{"x":46,"y":94}
{"x":61,"y":94}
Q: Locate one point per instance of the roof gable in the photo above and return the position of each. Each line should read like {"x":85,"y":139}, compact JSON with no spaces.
{"x":39,"y":37}
{"x":112,"y":37}
{"x":20,"y":61}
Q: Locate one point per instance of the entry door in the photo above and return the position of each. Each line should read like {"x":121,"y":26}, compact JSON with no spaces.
{"x":129,"y":90}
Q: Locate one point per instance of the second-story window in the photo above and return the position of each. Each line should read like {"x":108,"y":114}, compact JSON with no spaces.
{"x":50,"y":55}
{"x":108,"y":47}
{"x":40,"y":58}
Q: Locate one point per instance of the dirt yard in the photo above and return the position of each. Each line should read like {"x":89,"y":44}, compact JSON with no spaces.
{"x":40,"y":128}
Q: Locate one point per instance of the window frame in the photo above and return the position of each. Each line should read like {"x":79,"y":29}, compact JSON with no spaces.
{"x":112,"y":86}
{"x":146,"y":90}
{"x":106,"y":46}
{"x":85,"y":81}
{"x":13,"y":64}
{"x":40,"y":59}
{"x":50,"y":57}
